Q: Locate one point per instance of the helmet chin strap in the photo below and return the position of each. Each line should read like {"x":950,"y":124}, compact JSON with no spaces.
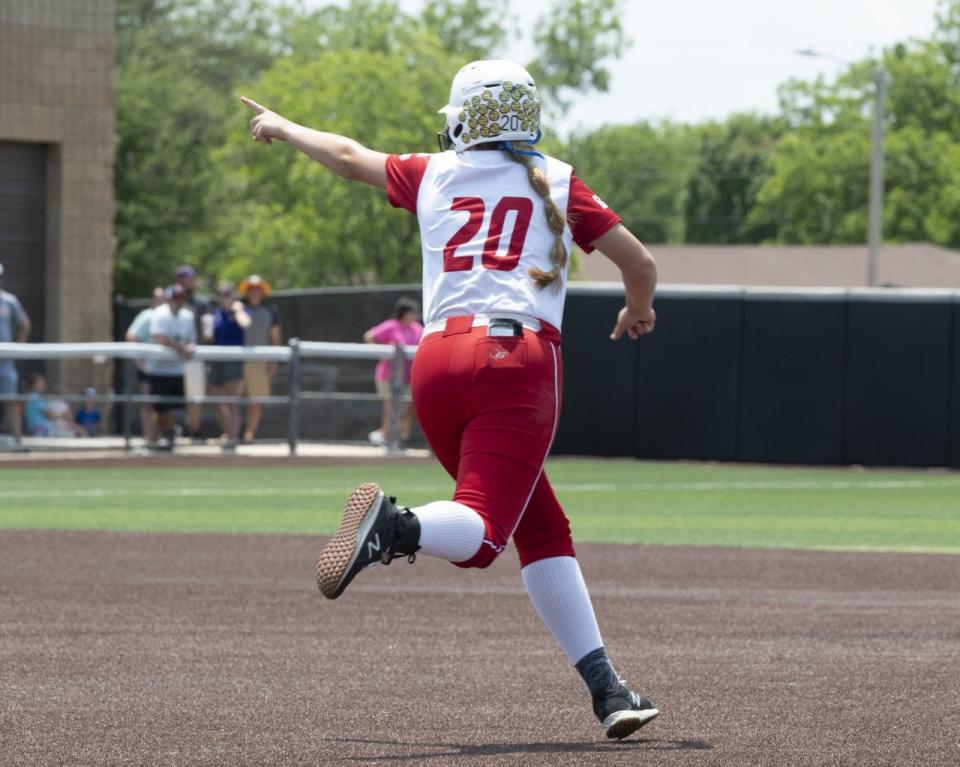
{"x":446,"y":143}
{"x":507,"y":145}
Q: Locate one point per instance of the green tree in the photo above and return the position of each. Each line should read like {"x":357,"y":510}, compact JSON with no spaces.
{"x":177,"y":63}
{"x":294,"y":219}
{"x":923,"y":197}
{"x":817,"y":187}
{"x":575,"y":40}
{"x":731,"y":166}
{"x":473,"y":29}
{"x":162,"y":179}
{"x":643,"y":172}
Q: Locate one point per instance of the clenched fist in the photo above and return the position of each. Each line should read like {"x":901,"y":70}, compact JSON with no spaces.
{"x":634,"y":324}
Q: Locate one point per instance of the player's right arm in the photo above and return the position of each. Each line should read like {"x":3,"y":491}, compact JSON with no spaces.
{"x":639,"y":273}
{"x":344,"y":156}
{"x":596,"y":227}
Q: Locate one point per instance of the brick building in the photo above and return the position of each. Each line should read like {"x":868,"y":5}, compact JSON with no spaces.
{"x":56,"y":170}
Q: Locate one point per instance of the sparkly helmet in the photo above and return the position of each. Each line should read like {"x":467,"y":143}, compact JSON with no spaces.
{"x":493,"y":100}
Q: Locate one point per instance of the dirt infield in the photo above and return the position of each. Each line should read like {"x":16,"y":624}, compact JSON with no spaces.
{"x":179,"y":649}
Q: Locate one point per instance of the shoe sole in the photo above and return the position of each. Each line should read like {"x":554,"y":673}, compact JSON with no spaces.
{"x":335,"y":565}
{"x":620,"y":724}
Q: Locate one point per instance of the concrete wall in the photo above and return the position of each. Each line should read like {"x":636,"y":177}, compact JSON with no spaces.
{"x":57,"y":89}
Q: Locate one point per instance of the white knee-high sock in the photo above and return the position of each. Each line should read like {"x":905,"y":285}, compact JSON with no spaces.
{"x":449,"y":530}
{"x":560,"y":596}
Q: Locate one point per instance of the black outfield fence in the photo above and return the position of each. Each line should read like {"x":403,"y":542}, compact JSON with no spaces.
{"x":810,"y":376}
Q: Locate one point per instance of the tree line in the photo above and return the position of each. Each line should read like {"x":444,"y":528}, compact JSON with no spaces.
{"x":191,"y":186}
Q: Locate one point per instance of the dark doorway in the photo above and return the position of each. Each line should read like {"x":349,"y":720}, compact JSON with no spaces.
{"x":23,"y":172}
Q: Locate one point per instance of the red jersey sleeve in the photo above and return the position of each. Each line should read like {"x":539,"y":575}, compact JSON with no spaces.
{"x":404,"y":174}
{"x":589,"y":216}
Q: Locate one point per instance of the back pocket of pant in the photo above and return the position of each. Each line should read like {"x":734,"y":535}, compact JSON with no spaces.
{"x":495,"y":356}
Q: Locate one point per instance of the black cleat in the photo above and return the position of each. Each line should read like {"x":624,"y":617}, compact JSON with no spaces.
{"x":623,"y":712}
{"x":373,"y":531}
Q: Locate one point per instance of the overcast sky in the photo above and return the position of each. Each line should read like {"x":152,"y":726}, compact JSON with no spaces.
{"x":697,"y":59}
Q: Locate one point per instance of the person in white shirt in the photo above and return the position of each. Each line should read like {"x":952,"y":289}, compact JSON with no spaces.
{"x":172,"y":325}
{"x":497,"y":220}
{"x":139,"y":333}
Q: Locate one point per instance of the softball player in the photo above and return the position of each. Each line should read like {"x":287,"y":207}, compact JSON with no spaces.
{"x":497,"y":221}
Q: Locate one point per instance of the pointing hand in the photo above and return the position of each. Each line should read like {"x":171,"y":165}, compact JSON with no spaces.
{"x":265,"y":125}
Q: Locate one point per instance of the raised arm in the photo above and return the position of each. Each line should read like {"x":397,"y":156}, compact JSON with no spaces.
{"x":240,"y":314}
{"x":344,"y":156}
{"x":639,"y":273}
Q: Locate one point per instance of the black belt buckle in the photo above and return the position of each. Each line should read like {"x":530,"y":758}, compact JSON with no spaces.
{"x":504,"y":327}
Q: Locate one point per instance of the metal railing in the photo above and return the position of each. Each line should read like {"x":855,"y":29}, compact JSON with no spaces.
{"x":293,"y":355}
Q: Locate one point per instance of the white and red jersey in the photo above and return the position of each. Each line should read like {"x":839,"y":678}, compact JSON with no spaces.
{"x":482,"y":228}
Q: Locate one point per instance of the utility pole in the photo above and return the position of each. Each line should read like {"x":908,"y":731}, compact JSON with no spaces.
{"x":875,"y":226}
{"x":881,"y":79}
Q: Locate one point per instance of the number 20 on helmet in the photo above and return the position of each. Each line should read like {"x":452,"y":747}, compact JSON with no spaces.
{"x":492,"y":100}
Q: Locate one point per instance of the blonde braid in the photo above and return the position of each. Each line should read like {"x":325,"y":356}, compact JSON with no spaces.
{"x":555,"y":219}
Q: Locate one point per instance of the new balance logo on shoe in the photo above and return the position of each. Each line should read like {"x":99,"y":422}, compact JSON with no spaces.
{"x":373,"y":530}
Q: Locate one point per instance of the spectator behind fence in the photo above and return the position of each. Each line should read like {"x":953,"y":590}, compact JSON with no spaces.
{"x":47,"y":416}
{"x":139,"y":332}
{"x":88,"y":417}
{"x":229,"y":321}
{"x":264,"y":330}
{"x":14,"y":327}
{"x":172,"y":325}
{"x":195,"y":371}
{"x":401,"y":330}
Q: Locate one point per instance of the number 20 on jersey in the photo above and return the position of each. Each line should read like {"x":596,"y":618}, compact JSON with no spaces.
{"x":522,"y":206}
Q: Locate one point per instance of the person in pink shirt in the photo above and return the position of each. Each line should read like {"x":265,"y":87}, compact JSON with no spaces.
{"x":401,"y":330}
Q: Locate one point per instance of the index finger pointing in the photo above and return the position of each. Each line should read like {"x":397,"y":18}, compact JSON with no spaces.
{"x":253,"y":105}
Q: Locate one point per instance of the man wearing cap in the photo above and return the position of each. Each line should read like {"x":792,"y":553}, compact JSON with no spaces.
{"x":172,"y":325}
{"x":264,"y":330}
{"x":14,"y":326}
{"x":195,"y":372}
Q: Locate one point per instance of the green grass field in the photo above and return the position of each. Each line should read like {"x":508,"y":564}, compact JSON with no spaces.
{"x":608,"y":501}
